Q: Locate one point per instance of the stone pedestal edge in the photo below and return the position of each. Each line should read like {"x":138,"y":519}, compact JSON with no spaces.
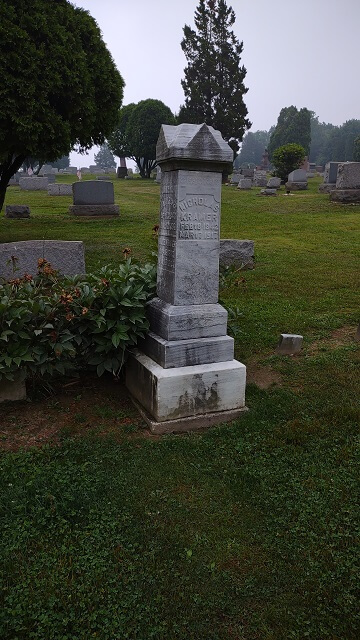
{"x":12,"y":391}
{"x":345,"y":195}
{"x":94,"y":210}
{"x":187,"y":425}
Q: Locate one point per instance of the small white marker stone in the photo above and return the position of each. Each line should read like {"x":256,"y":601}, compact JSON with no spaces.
{"x":289,"y":344}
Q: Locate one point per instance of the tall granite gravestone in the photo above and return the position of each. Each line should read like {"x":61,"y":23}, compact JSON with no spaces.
{"x":186,"y":377}
{"x":347,"y":183}
{"x":93,"y":198}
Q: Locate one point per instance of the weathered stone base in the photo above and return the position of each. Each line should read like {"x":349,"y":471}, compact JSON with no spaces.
{"x":183,"y":353}
{"x":345,"y":195}
{"x":326,"y":187}
{"x":94,"y":210}
{"x":182,"y":392}
{"x":12,"y":391}
{"x":296,"y":186}
{"x":185,"y":322}
{"x":193,"y":423}
{"x":17,"y":211}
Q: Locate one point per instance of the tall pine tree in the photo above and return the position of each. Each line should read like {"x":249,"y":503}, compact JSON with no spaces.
{"x":214,"y":79}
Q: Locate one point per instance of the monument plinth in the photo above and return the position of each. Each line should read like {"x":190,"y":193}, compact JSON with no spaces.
{"x":186,"y":368}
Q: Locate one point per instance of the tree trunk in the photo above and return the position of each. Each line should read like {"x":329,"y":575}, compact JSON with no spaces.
{"x":7,"y":170}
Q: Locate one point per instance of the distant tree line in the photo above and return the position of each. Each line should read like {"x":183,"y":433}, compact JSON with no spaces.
{"x":321,"y":141}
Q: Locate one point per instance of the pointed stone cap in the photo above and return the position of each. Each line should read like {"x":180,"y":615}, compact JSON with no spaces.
{"x":192,"y":142}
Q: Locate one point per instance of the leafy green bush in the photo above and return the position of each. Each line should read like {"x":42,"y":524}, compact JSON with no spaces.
{"x":287,"y":158}
{"x":56,"y":325}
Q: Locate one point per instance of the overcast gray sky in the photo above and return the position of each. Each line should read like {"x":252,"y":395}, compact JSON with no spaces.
{"x":300,"y":52}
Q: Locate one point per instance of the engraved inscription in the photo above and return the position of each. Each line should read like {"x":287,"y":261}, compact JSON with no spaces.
{"x":167,"y":211}
{"x":166,"y":257}
{"x":198,"y":218}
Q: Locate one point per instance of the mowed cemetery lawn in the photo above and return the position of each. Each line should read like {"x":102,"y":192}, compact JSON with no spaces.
{"x":249,"y":531}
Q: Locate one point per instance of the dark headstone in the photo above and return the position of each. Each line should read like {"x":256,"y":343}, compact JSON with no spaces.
{"x":17,"y":211}
{"x":93,"y":192}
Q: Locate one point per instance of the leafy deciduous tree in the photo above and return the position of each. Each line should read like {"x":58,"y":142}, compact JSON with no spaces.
{"x":287,"y":158}
{"x":214,"y":80}
{"x":59,"y":87}
{"x":138,"y":131}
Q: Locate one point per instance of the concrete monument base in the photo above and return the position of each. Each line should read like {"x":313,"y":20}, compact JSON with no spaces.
{"x":345,"y":195}
{"x":326,"y":187}
{"x":182,"y":353}
{"x":183,"y":392}
{"x":296,"y":186}
{"x":94,"y":210}
{"x":193,"y":423}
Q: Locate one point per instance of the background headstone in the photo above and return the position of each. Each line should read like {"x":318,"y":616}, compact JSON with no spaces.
{"x":93,"y":198}
{"x":17,"y":211}
{"x":239,"y":253}
{"x":260,"y":178}
{"x":34,"y":183}
{"x":244,"y":183}
{"x":299,"y":175}
{"x":65,"y":255}
{"x":273,"y":183}
{"x":235,"y":177}
{"x":330,"y":175}
{"x":60,"y":189}
{"x":297,"y":180}
{"x":347,"y":183}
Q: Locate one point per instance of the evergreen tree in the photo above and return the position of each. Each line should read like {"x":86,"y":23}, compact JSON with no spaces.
{"x":61,"y":163}
{"x":293,"y":126}
{"x":104,"y":158}
{"x":214,"y":79}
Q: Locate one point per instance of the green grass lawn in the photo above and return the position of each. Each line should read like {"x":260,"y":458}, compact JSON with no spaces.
{"x":249,"y":531}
